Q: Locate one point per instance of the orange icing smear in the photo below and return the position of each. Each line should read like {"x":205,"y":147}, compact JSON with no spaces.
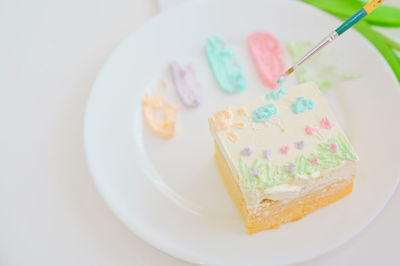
{"x":223,"y":119}
{"x":160,"y":115}
{"x":232,"y":136}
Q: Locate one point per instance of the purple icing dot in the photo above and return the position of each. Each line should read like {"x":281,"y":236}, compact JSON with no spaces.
{"x":247,"y":151}
{"x":292,"y":167}
{"x":267,"y":153}
{"x":256,"y":171}
{"x":300,"y":145}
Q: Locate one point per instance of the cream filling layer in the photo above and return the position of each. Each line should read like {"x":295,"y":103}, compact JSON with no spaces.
{"x":300,"y":185}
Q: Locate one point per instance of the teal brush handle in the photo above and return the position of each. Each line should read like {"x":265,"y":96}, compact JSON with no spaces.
{"x":362,"y":13}
{"x":352,"y":21}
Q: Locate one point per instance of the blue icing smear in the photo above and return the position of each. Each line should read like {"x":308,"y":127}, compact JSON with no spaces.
{"x":265,"y":113}
{"x":225,"y":65}
{"x":276,"y":95}
{"x":302,"y":105}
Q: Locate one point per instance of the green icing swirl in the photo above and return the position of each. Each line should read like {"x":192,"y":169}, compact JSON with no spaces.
{"x":272,"y":175}
{"x":316,"y":69}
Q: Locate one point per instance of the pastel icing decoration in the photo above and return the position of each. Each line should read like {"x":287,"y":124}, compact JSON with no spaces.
{"x":311,"y":130}
{"x":223,"y":119}
{"x":301,"y":166}
{"x":239,"y":125}
{"x":276,"y":95}
{"x":246,"y":151}
{"x":268,"y":154}
{"x":265,"y":113}
{"x":256,"y":171}
{"x":163,"y":125}
{"x":233,"y":136}
{"x":292,"y":168}
{"x":334,"y":148}
{"x":302,"y":105}
{"x":285,"y":149}
{"x":326,"y":123}
{"x":314,"y":160}
{"x":267,"y":54}
{"x":242,"y":111}
{"x":225,"y":65}
{"x":186,"y":84}
{"x":300,"y":145}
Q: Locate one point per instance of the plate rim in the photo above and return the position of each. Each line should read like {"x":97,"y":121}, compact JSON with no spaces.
{"x":142,"y":234}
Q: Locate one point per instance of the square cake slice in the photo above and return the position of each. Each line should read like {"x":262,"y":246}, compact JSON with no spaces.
{"x":282,"y":156}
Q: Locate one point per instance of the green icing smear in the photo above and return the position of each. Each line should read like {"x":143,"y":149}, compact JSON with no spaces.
{"x":273,"y":175}
{"x":225,"y":65}
{"x":325,"y":76}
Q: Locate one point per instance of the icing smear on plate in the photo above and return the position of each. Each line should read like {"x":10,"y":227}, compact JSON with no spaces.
{"x":225,"y":65}
{"x":186,"y":84}
{"x":267,"y":54}
{"x":318,"y":68}
{"x":160,"y":115}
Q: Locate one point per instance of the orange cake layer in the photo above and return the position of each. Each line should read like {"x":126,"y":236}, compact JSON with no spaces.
{"x":272,"y":214}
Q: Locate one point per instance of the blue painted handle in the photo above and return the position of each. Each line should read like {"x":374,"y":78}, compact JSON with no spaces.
{"x":352,"y":21}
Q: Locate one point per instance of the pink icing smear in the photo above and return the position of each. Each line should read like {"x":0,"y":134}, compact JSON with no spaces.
{"x":267,"y":54}
{"x":326,"y":123}
{"x":311,"y":130}
{"x":334,"y":148}
{"x":285,"y":149}
{"x":315,"y":160}
{"x":186,"y":84}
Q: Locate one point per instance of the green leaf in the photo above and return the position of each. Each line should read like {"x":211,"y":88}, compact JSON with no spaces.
{"x":384,"y":15}
{"x":388,"y":16}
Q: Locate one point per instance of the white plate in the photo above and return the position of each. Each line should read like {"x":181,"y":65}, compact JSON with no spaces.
{"x":170,"y":193}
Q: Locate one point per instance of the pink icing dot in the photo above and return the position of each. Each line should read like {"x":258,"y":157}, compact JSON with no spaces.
{"x":315,"y":160}
{"x":311,"y":130}
{"x":285,"y":149}
{"x":334,"y":148}
{"x":326,"y":123}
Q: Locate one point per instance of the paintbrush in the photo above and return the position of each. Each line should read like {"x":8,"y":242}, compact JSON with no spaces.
{"x":362,"y":13}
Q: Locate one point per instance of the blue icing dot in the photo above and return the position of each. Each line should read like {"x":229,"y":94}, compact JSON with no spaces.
{"x":276,"y":95}
{"x":265,"y":113}
{"x":302,"y":105}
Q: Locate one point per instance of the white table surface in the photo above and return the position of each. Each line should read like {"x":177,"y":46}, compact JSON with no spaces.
{"x":50,"y":210}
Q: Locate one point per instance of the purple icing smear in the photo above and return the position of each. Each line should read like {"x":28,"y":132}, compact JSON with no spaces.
{"x":292,"y":168}
{"x":186,"y":84}
{"x":300,"y":145}
{"x":256,"y":171}
{"x":267,"y":153}
{"x":247,"y":151}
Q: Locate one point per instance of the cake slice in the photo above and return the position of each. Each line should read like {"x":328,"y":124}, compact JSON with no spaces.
{"x":282,"y":156}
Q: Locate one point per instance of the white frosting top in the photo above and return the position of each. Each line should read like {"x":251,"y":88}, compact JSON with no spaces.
{"x":241,"y":139}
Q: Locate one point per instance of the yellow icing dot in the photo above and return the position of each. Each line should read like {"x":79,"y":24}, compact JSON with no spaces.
{"x":242,"y":111}
{"x":282,"y":130}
